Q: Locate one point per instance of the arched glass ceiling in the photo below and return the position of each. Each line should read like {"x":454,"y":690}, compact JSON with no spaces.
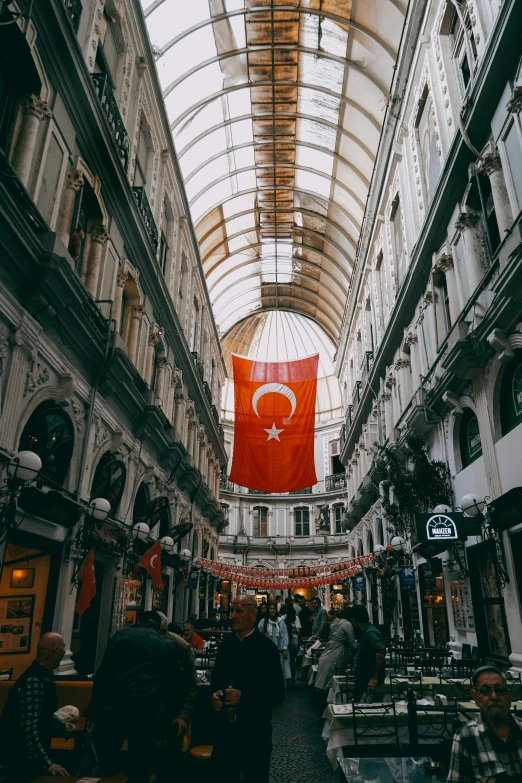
{"x":282,"y":336}
{"x":276,"y":110}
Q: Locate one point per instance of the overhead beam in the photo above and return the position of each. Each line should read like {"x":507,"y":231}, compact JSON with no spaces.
{"x":293,"y":166}
{"x":280,"y":48}
{"x":295,"y":116}
{"x":266,"y":83}
{"x":331,"y":329}
{"x":341,"y":20}
{"x":293,"y":144}
{"x":248,"y":191}
{"x":325,"y":327}
{"x":257,"y":226}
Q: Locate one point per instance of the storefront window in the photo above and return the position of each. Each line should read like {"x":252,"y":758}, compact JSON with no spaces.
{"x":488,"y":604}
{"x":49,"y":433}
{"x":433,"y":605}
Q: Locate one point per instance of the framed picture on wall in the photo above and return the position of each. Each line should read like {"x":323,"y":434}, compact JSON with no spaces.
{"x":22,"y":578}
{"x":16,"y":624}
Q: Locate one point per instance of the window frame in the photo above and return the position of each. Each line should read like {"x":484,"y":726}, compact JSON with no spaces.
{"x":302,"y":523}
{"x":260,"y":521}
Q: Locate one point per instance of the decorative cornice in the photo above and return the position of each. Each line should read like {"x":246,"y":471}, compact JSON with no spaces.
{"x":99,"y":234}
{"x":35,"y":106}
{"x":466,"y":221}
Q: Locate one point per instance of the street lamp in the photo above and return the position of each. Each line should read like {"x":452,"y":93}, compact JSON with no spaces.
{"x":167,"y":544}
{"x":98,"y":509}
{"x":472,"y":505}
{"x":397,"y":543}
{"x":141,"y":530}
{"x":442,"y":508}
{"x":185,"y":555}
{"x":23,"y":468}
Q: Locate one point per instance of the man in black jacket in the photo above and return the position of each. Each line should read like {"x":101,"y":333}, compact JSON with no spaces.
{"x":28,"y":723}
{"x":247,"y":681}
{"x":137,"y":693}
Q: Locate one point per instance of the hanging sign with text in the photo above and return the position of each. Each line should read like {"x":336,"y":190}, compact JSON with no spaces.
{"x":445,"y":527}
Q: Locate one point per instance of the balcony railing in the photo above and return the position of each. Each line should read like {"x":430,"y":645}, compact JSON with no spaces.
{"x":225,"y":484}
{"x":24,"y":202}
{"x":74,"y":9}
{"x":198,"y":363}
{"x":304,"y":491}
{"x":257,"y":492}
{"x":208,"y":393}
{"x":336,"y":481}
{"x":148,"y":218}
{"x":112,"y":113}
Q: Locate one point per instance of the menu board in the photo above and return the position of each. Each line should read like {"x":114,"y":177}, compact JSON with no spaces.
{"x":462,"y":605}
{"x":16,"y":619}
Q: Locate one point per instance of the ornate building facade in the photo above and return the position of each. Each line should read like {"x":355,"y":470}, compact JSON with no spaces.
{"x":431,"y":341}
{"x":111,"y":363}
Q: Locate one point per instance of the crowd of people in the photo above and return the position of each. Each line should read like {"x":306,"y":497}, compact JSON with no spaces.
{"x":146,"y":687}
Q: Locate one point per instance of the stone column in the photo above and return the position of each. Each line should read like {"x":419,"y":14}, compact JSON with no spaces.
{"x":74,"y":184}
{"x":388,"y":413}
{"x":468,"y":223}
{"x":486,"y":437}
{"x":492,"y":167}
{"x":22,"y":341}
{"x":160,"y":378}
{"x":121,"y":279}
{"x":99,"y":237}
{"x":195,"y":447}
{"x":430,"y":327}
{"x":152,"y":342}
{"x":202,"y":463}
{"x":34,"y":111}
{"x":402,"y":367}
{"x":412,"y":341}
{"x":179,"y":413}
{"x":190,"y":440}
{"x":446,"y":267}
{"x":210,"y":474}
{"x":137,"y":313}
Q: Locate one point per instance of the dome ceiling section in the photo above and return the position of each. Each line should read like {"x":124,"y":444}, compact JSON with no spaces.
{"x":276,"y":111}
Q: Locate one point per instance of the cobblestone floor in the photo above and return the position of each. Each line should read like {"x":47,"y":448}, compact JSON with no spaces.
{"x":298,"y":753}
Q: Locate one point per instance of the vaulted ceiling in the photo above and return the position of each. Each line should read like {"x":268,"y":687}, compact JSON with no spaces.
{"x":276,"y":109}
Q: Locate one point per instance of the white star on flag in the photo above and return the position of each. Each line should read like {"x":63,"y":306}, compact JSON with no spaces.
{"x":408,"y":571}
{"x":273,"y":433}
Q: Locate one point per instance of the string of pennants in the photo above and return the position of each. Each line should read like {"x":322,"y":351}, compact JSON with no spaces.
{"x":299,"y":576}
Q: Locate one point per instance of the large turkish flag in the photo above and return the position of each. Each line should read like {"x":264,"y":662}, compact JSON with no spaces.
{"x":274,"y":415}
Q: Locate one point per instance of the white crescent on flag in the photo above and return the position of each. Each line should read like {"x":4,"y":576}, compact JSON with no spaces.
{"x":274,"y":388}
{"x":153,"y":558}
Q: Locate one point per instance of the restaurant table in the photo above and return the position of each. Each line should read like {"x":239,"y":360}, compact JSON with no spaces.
{"x":338,"y":727}
{"x":448,"y":687}
{"x":403,"y":770}
{"x":53,"y":779}
{"x":313,"y":674}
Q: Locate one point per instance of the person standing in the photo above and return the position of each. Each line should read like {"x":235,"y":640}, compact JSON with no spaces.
{"x":276,"y":631}
{"x":28,"y":722}
{"x":489,"y":748}
{"x":247,"y":681}
{"x":318,"y":618}
{"x":305,"y":617}
{"x":369,"y":657}
{"x":137,"y":689}
{"x":293,"y":627}
{"x":341,"y":644}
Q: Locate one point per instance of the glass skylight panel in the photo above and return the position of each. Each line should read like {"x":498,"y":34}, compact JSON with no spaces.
{"x":313,"y":182}
{"x":173,"y":17}
{"x":314,"y":159}
{"x":246,"y":239}
{"x":239,"y":204}
{"x":202,"y":150}
{"x":210,"y":198}
{"x":239,"y":102}
{"x":229,"y":264}
{"x":195,"y":123}
{"x":241,"y":132}
{"x":242,"y":158}
{"x":203,"y":83}
{"x":242,"y":223}
{"x":333,"y":38}
{"x":208,"y":174}
{"x":185,"y":54}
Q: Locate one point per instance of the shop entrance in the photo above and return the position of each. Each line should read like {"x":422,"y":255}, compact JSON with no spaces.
{"x":85,"y":629}
{"x":434,"y":615}
{"x":28,"y":588}
{"x":488,"y":604}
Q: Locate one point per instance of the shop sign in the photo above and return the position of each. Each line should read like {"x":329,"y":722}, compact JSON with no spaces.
{"x":440,"y":528}
{"x":192,"y":580}
{"x":408,"y":579}
{"x":360,"y":584}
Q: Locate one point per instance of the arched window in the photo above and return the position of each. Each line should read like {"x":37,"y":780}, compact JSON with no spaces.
{"x":109,"y":480}
{"x":260,"y":522}
{"x":140,"y":503}
{"x":50,"y":434}
{"x":470,"y":445}
{"x":511,"y":394}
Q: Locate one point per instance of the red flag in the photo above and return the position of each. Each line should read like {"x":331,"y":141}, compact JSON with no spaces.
{"x":151,"y":562}
{"x":88,"y":580}
{"x":274,"y":405}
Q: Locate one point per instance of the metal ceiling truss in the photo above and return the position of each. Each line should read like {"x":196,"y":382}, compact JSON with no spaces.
{"x":256,"y":227}
{"x":339,"y":96}
{"x":290,"y":115}
{"x":310,"y":193}
{"x":280,"y":9}
{"x":301,"y":274}
{"x":287,"y":309}
{"x":292,"y":144}
{"x":294,"y":229}
{"x":292,"y":166}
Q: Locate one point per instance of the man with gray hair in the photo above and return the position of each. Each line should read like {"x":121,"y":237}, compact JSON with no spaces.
{"x":488,"y":749}
{"x":247,"y":681}
{"x":28,"y":722}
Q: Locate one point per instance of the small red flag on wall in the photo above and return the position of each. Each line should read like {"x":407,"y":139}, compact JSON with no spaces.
{"x":274,"y":416}
{"x":88,"y":580}
{"x":151,"y":562}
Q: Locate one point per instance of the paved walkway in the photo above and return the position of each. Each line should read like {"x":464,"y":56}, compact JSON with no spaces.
{"x":299,"y":753}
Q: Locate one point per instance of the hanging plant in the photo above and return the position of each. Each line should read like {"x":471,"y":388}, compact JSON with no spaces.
{"x":417,"y":486}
